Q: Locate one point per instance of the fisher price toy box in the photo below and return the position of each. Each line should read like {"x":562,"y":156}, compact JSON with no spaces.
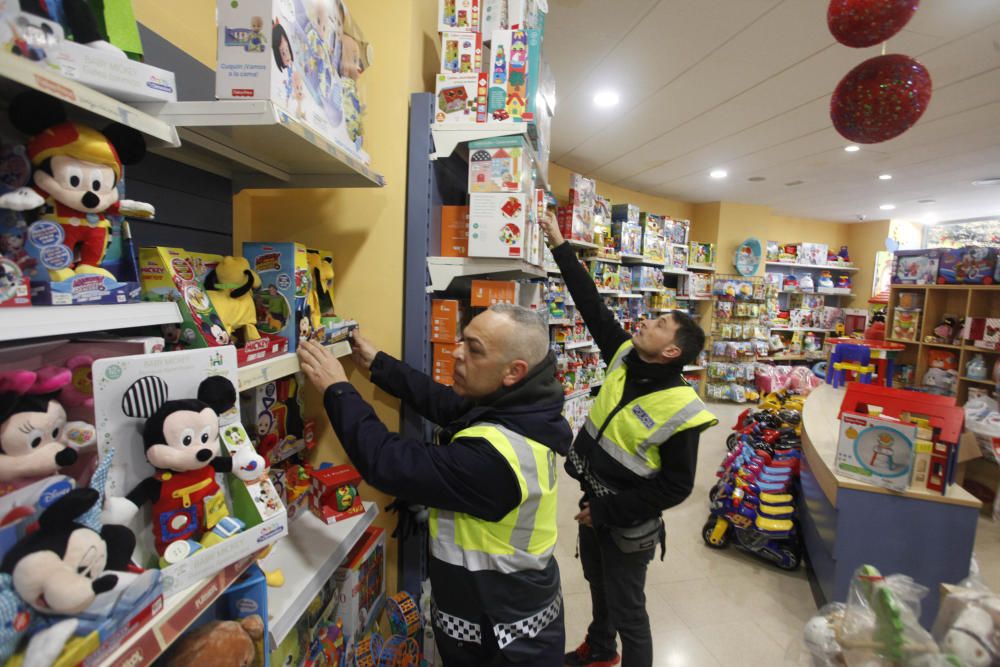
{"x":875,"y":450}
{"x":305,"y":56}
{"x":496,"y":224}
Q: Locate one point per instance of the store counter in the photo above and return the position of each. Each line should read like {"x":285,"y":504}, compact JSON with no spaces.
{"x":846,"y":523}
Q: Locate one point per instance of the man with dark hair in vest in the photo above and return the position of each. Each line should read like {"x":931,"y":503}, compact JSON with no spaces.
{"x":491,"y":486}
{"x":634,"y":458}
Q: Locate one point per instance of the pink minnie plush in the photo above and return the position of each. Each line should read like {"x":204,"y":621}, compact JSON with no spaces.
{"x":79,"y":392}
{"x":36,"y":440}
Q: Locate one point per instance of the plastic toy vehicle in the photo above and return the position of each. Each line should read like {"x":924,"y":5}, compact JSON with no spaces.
{"x":745,"y":520}
{"x":500,"y":114}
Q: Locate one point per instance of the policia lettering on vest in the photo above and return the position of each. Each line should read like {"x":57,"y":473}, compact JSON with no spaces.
{"x":491,"y":487}
{"x":634,"y":458}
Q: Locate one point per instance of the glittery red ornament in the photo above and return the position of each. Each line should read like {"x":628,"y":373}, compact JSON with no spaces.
{"x":880,"y":99}
{"x":861,"y":23}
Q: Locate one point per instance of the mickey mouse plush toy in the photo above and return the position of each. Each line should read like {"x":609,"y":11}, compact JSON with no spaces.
{"x":57,"y":570}
{"x":76,"y":172}
{"x":182,"y":443}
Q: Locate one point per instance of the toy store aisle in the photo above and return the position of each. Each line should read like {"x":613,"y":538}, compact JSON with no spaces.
{"x":696,"y":595}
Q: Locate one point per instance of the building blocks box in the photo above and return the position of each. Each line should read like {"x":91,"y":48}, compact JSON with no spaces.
{"x":460,"y":98}
{"x":458,"y":15}
{"x":496,"y":224}
{"x":508,"y":77}
{"x":304,"y":56}
{"x":500,"y":164}
{"x":454,"y":231}
{"x":461,"y":52}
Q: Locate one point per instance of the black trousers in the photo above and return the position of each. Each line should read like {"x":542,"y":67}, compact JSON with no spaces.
{"x":551,"y":643}
{"x":617,"y":593}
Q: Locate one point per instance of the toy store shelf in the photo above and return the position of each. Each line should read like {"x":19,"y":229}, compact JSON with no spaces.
{"x":681,"y":297}
{"x":582,"y":244}
{"x":257,"y":145}
{"x":990,"y":383}
{"x":308,"y":557}
{"x":561,"y":323}
{"x":942,"y":345}
{"x":692,"y":369}
{"x":579,"y":344}
{"x":676,"y":272}
{"x":648,"y":290}
{"x":831,"y":267}
{"x":265,"y":371}
{"x":820,"y":290}
{"x":41,"y":321}
{"x":448,"y":136}
{"x":701,"y":267}
{"x":606,"y":260}
{"x":904,"y":342}
{"x":444,"y":270}
{"x":178,"y":613}
{"x":18,"y":74}
{"x":801,"y":329}
{"x":577,"y":394}
{"x":640,"y":260}
{"x":629,"y":295}
{"x":608,"y":292}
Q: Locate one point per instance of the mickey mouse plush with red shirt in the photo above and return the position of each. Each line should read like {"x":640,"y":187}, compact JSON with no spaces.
{"x":76,"y":172}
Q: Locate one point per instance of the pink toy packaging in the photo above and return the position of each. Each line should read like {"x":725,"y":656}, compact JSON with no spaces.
{"x":915,"y":267}
{"x":975,"y":265}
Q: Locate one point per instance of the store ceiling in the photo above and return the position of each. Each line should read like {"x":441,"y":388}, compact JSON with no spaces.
{"x":745,"y":85}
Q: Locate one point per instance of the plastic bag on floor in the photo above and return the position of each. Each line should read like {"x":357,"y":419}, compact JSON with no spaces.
{"x":968,"y":624}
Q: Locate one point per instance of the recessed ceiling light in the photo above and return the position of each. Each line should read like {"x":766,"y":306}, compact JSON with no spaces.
{"x":885,"y":177}
{"x":606,"y":99}
{"x":719,"y":173}
{"x":927,"y":201}
{"x":794,"y":183}
{"x":852,"y":148}
{"x":987,"y":181}
{"x":756,"y":179}
{"x":887,"y":207}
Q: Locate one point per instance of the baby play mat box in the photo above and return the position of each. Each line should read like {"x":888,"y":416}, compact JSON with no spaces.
{"x":201,"y":520}
{"x":305,"y":56}
{"x":122,"y":78}
{"x":875,"y":450}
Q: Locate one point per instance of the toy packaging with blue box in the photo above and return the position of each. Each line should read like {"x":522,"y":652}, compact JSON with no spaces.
{"x":284,"y":289}
{"x":969,"y":265}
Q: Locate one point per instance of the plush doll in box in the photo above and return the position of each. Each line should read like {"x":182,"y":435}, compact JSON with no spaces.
{"x":219,"y":644}
{"x":76,"y":172}
{"x":181,"y":438}
{"x":35,"y":438}
{"x":230,"y":287}
{"x":58,"y":571}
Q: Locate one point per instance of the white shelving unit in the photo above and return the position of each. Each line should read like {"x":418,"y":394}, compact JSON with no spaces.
{"x":829,"y":267}
{"x":676,"y":272}
{"x":447,"y":136}
{"x":801,"y":329}
{"x":287,"y":364}
{"x":701,"y":267}
{"x":444,"y":270}
{"x":582,"y":244}
{"x":579,"y":345}
{"x":42,"y":321}
{"x":257,"y":145}
{"x":308,"y":557}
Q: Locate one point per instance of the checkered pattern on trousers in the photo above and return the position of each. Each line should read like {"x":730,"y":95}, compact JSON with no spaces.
{"x":458,"y":628}
{"x":529,"y":627}
{"x":599,"y":489}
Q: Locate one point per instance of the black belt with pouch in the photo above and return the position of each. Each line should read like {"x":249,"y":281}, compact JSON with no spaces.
{"x":640,"y":537}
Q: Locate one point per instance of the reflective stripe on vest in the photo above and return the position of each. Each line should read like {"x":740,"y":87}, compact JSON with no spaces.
{"x":635,"y":431}
{"x":522,"y":540}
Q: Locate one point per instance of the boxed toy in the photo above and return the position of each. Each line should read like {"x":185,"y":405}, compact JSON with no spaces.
{"x":508,"y":76}
{"x":304,"y":56}
{"x":122,"y":78}
{"x":273,"y":412}
{"x":446,"y":320}
{"x":876,"y":450}
{"x":679,"y":257}
{"x":968,"y":265}
{"x":915,"y":267}
{"x":454,"y":231}
{"x":582,"y":196}
{"x":493,"y":16}
{"x":676,"y":231}
{"x":333,"y":493}
{"x":460,"y":98}
{"x":653,"y":240}
{"x":496,"y":224}
{"x":461,"y":52}
{"x":280,"y":298}
{"x":27,"y":35}
{"x":906,"y":324}
{"x":15,"y":287}
{"x":500,"y":164}
{"x":443,"y":359}
{"x":197,"y":525}
{"x":627,"y":228}
{"x":458,"y":15}
{"x":485,"y":293}
{"x":813,"y":253}
{"x":361,"y":587}
{"x":701,"y":254}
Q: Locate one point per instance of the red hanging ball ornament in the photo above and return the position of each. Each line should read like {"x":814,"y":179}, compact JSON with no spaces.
{"x":861,"y":23}
{"x":880,"y":99}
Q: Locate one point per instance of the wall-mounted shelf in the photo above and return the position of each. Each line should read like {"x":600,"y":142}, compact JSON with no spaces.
{"x":18,"y":74}
{"x":829,"y":267}
{"x":579,"y":344}
{"x":701,"y":267}
{"x":268,"y":370}
{"x":582,"y":244}
{"x":629,"y":295}
{"x":676,"y":272}
{"x":257,"y":145}
{"x":681,"y":297}
{"x":42,"y":321}
{"x":444,"y":270}
{"x":308,"y":557}
{"x":640,"y":261}
{"x":801,"y":329}
{"x":606,"y":260}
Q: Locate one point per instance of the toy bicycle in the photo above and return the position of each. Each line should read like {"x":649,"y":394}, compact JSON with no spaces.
{"x":745,"y":519}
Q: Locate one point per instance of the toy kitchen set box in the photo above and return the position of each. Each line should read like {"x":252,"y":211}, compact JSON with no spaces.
{"x":305,"y":56}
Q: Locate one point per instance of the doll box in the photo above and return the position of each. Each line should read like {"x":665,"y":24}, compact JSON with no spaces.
{"x":582,"y":197}
{"x":304,"y":56}
{"x":458,"y":15}
{"x":460,"y":98}
{"x":915,"y":267}
{"x":876,"y":450}
{"x":174,"y":375}
{"x":496,"y":224}
{"x":461,"y":52}
{"x":15,"y":288}
{"x":122,"y":78}
{"x":974,"y":265}
{"x":653,"y":239}
{"x":501,"y":164}
{"x":284,"y":286}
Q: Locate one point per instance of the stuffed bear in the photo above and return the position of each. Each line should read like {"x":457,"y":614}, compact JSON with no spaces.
{"x":230,"y":286}
{"x":57,"y":570}
{"x":182,"y":443}
{"x":219,"y":644}
{"x":35,"y":439}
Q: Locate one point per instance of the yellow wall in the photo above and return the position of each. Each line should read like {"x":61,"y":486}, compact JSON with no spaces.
{"x":864,"y":239}
{"x":188,"y":24}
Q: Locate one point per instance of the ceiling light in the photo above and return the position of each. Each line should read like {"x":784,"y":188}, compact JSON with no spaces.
{"x":852,"y":148}
{"x":987,"y":181}
{"x":719,"y":173}
{"x":794,"y":183}
{"x":887,"y":207}
{"x":927,"y":201}
{"x":606,"y":99}
{"x":885,"y":177}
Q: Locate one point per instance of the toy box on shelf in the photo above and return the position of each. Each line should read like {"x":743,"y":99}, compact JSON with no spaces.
{"x":454,"y":231}
{"x":582,"y":197}
{"x":194,"y":539}
{"x":500,"y":164}
{"x":509,"y":76}
{"x":281,"y":300}
{"x":906,"y":324}
{"x":443,"y":363}
{"x":497,"y":224}
{"x":446,"y":320}
{"x":486,"y":293}
{"x":676,"y":231}
{"x":360,"y":583}
{"x":812,"y":253}
{"x":679,"y":257}
{"x":969,"y":265}
{"x":982,"y":332}
{"x":305,"y":56}
{"x":274,"y":416}
{"x":460,"y":98}
{"x":627,"y":228}
{"x":701,"y":254}
{"x":122,"y":78}
{"x":898,"y":439}
{"x":915,"y":267}
{"x":173,"y":274}
{"x":292,"y":482}
{"x":458,"y":15}
{"x":461,"y":52}
{"x":333,"y":495}
{"x":29,"y":36}
{"x":653,"y":239}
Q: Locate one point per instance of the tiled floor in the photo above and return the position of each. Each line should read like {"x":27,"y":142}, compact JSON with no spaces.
{"x":698,"y":598}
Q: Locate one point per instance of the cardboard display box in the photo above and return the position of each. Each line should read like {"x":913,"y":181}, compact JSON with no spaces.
{"x":500,"y":164}
{"x":122,"y":78}
{"x":497,"y":224}
{"x":461,"y":52}
{"x":460,"y":98}
{"x":446,"y":320}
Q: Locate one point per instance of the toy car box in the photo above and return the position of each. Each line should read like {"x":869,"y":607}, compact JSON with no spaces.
{"x":461,"y":52}
{"x":496,"y":224}
{"x":122,"y":78}
{"x":975,"y":265}
{"x":501,"y":164}
{"x":304,"y":56}
{"x":284,"y":287}
{"x":177,"y":276}
{"x":361,"y":587}
{"x":915,"y":267}
{"x":460,"y":98}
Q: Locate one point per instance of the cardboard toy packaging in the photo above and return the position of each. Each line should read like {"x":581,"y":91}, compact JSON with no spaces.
{"x":454,"y":231}
{"x":273,"y":415}
{"x":284,"y":287}
{"x":974,"y":265}
{"x":461,"y":52}
{"x":122,"y":78}
{"x":875,"y":450}
{"x":582,"y":197}
{"x":500,"y":164}
{"x":458,"y":15}
{"x":496,"y":224}
{"x":333,"y":493}
{"x":27,"y":35}
{"x":460,"y":98}
{"x":361,"y":584}
{"x":444,"y":363}
{"x":676,"y":231}
{"x":653,"y":240}
{"x":486,"y":293}
{"x":508,"y":76}
{"x":446,"y":320}
{"x":627,"y":228}
{"x":15,"y":286}
{"x":304,"y":56}
{"x":915,"y":267}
